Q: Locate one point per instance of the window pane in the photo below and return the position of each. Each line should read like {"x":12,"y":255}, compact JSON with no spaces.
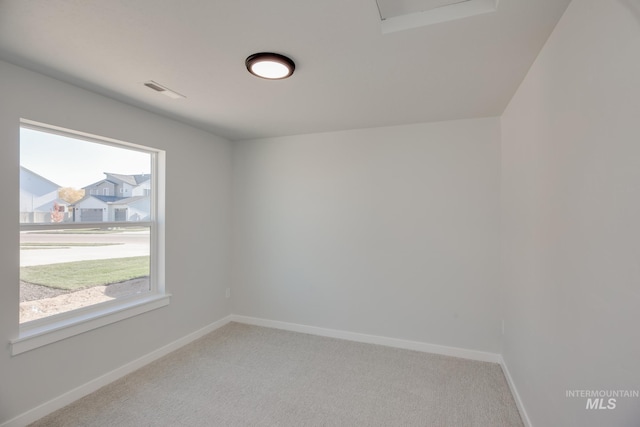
{"x":65,"y":179}
{"x":62,"y":270}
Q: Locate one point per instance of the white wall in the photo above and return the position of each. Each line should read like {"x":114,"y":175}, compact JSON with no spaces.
{"x":196,"y":251}
{"x":390,"y":231}
{"x":571,"y":218}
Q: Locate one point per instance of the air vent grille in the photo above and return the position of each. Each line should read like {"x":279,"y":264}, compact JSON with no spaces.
{"x":155,"y":86}
{"x":163,"y":90}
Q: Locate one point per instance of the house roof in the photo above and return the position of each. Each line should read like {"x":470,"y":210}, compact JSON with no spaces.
{"x":112,"y":199}
{"x":97,"y":182}
{"x":32,"y":187}
{"x":128,"y":200}
{"x":105,"y":199}
{"x":129,"y":179}
{"x":116,"y":178}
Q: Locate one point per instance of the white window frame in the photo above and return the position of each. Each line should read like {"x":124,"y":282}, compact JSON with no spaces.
{"x":40,"y":332}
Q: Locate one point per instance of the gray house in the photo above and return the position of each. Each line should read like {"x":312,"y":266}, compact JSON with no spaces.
{"x":119,"y":185}
{"x":38,"y":197}
{"x":116,"y":198}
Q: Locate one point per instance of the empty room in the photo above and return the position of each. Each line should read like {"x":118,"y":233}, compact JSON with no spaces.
{"x":328,"y":213}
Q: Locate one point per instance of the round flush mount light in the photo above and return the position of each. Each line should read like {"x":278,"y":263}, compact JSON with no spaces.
{"x":268,"y":65}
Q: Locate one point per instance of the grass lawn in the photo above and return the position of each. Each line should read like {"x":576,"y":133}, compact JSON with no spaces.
{"x":86,"y":274}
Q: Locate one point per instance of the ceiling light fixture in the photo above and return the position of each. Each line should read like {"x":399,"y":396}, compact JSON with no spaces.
{"x":270,"y":66}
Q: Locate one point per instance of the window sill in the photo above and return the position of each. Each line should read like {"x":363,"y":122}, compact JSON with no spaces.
{"x":39,"y":333}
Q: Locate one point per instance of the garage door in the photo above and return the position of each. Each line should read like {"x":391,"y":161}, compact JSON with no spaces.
{"x":91,"y":215}
{"x":121,"y":214}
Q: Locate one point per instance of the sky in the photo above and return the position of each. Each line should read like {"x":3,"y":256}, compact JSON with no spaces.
{"x":76,"y":163}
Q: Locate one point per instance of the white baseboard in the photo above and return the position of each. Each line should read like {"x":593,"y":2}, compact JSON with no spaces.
{"x":93,"y":385}
{"x":516,"y":395}
{"x":372,"y":339}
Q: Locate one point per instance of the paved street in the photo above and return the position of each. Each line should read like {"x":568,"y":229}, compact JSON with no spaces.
{"x":129,"y":244}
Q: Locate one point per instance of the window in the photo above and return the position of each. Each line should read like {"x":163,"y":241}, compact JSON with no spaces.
{"x":94,"y":262}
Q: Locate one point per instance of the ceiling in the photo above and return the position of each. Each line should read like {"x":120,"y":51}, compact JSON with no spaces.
{"x":348,"y":73}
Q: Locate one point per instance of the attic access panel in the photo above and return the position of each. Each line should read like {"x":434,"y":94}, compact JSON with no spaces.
{"x":398,"y":15}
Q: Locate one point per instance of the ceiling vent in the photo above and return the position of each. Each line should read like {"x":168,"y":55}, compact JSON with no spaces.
{"x":398,"y":15}
{"x":163,"y":90}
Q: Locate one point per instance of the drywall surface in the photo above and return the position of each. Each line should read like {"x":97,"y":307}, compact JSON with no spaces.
{"x":389,"y":231}
{"x":570,"y":220}
{"x":197,"y":216}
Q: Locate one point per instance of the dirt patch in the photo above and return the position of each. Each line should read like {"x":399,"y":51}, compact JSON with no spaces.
{"x":31,"y":292}
{"x":37,"y":301}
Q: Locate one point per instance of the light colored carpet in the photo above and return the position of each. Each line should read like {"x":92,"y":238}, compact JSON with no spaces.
{"x":244,"y":375}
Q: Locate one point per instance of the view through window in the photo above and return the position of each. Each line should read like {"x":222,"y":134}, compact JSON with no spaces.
{"x":86,"y":221}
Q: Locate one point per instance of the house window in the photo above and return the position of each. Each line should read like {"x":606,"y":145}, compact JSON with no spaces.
{"x":91,"y":265}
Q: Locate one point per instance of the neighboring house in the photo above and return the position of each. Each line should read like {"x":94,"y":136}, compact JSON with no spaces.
{"x":121,"y":185}
{"x":92,"y":208}
{"x":116,"y":198}
{"x":38,"y":197}
{"x":137,"y":208}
